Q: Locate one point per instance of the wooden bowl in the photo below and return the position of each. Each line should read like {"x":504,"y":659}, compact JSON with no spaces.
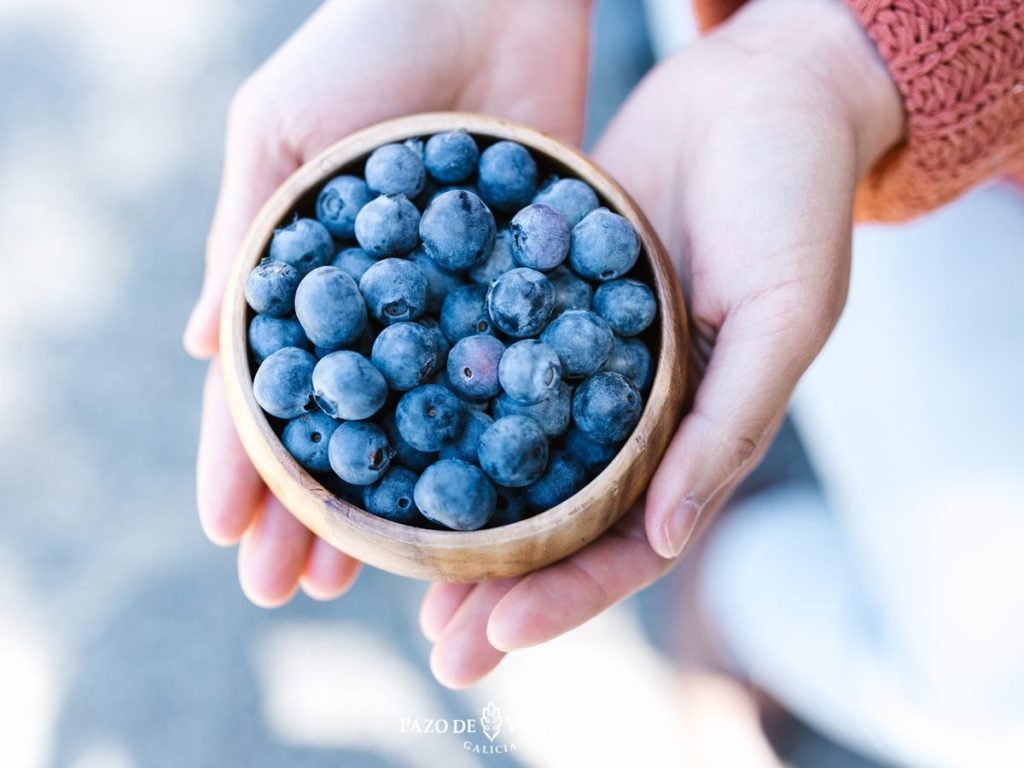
{"x":458,"y":555}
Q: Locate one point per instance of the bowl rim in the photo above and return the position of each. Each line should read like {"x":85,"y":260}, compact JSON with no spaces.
{"x":255,"y":429}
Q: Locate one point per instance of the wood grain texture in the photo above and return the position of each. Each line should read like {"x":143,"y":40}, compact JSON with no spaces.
{"x":456,"y":555}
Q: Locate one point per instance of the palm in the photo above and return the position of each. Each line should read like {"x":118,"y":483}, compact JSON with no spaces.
{"x":353,"y":64}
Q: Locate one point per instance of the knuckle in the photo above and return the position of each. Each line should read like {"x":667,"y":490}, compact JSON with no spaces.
{"x":741,"y":448}
{"x":735,"y":448}
{"x":245,"y":103}
{"x":809,"y":317}
{"x":740,"y":444}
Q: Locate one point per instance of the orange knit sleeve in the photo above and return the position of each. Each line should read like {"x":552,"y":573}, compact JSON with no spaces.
{"x":959,"y":65}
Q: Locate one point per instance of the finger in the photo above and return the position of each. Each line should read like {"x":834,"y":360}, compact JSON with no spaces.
{"x":256,"y":161}
{"x":440,"y":603}
{"x":762,"y":349}
{"x":272,"y":555}
{"x":561,"y":597}
{"x":228,"y":489}
{"x":517,"y":87}
{"x":329,"y":573}
{"x":462,"y":655}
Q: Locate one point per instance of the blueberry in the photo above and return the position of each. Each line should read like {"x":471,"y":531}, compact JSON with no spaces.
{"x":632,"y":359}
{"x":283,"y":384}
{"x":439,"y":338}
{"x":406,"y":353}
{"x":270,"y":288}
{"x":362,"y":345}
{"x":451,"y":157}
{"x":509,"y":507}
{"x":405,"y":454}
{"x":438,"y":191}
{"x":498,"y":261}
{"x":268,"y":334}
{"x":395,"y":169}
{"x":457,"y":229}
{"x":513,"y":451}
{"x":563,"y":478}
{"x":529,"y":371}
{"x":338,"y":203}
{"x":571,"y":292}
{"x":606,"y":407}
{"x":359,"y":452}
{"x":430,"y":417}
{"x":430,"y":191}
{"x":330,"y":308}
{"x":583,"y":341}
{"x":480,"y":406}
{"x":629,"y":306}
{"x":540,"y":237}
{"x":347,"y":386}
{"x":391,"y":497}
{"x":388,"y":226}
{"x":506,"y":176}
{"x":604,"y":246}
{"x":440,"y":281}
{"x":395,"y":290}
{"x":416,"y":145}
{"x":551,"y":413}
{"x":306,"y":438}
{"x":468,"y":404}
{"x":305,"y":244}
{"x":464,"y":312}
{"x":473,"y":366}
{"x":455,"y":494}
{"x":465,"y":447}
{"x":520,"y":301}
{"x":354,"y":261}
{"x":572,"y":198}
{"x":591,"y":455}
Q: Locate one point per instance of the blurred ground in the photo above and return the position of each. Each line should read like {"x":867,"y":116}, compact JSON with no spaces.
{"x":124,"y":638}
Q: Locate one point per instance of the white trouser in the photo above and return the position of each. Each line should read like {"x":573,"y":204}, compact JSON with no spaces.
{"x":889,"y":609}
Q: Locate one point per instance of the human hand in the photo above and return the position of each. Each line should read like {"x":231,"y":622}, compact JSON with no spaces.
{"x":745,"y":151}
{"x":354,"y":63}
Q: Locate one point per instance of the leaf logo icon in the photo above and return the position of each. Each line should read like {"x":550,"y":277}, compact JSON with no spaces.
{"x":490,"y":721}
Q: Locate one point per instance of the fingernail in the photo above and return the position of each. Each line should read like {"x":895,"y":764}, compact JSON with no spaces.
{"x":680,"y":524}
{"x":195,"y":338}
{"x":192,"y":328}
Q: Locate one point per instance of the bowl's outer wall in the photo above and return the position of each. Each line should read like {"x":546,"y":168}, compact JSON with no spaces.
{"x":451,"y":555}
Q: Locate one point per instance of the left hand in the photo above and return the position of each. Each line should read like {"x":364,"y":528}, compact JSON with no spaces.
{"x":745,"y":151}
{"x":352,"y":64}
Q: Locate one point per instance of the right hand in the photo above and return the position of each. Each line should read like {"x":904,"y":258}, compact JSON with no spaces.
{"x":354,"y":63}
{"x":744,"y":150}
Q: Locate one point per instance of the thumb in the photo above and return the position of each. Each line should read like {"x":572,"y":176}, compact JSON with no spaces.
{"x":256,"y":161}
{"x":761,"y":350}
{"x":766,"y":282}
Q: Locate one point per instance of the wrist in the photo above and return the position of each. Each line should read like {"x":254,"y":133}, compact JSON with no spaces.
{"x":824,"y":40}
{"x":859,"y":73}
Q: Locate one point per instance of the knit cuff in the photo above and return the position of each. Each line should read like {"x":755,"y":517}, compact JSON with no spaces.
{"x":959,"y":65}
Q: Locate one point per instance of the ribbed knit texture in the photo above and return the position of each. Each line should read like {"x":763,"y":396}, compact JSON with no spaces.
{"x":959,"y":65}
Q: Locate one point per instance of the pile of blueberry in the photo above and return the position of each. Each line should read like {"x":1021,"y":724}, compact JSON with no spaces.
{"x":447,"y":345}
